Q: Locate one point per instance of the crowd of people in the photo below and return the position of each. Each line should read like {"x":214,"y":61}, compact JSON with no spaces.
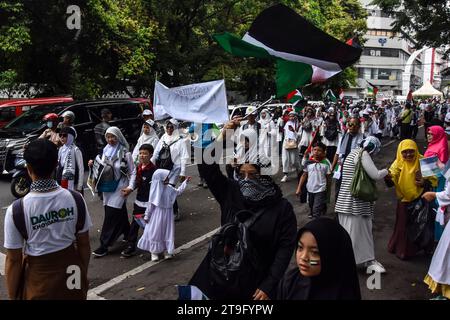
{"x":321,"y":148}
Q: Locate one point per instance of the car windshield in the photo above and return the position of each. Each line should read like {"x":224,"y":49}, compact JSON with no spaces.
{"x":32,"y":119}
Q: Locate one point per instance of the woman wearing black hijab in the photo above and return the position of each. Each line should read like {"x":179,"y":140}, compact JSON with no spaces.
{"x":326,"y":268}
{"x":272,"y":235}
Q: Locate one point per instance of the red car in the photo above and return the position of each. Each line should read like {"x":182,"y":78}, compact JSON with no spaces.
{"x":10,"y":109}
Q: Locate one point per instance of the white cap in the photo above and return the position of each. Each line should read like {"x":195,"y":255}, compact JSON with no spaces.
{"x":249,"y":110}
{"x":147,"y":112}
{"x":69,"y":114}
{"x":150,"y":122}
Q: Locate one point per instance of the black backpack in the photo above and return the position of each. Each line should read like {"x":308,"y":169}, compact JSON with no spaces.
{"x":234,"y":263}
{"x":164,"y":160}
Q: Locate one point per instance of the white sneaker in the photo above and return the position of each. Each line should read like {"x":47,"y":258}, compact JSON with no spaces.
{"x":155,"y":257}
{"x":284,"y":179}
{"x":168,"y":256}
{"x":374,"y":265}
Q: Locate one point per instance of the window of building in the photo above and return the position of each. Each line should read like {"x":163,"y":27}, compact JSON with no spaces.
{"x":387,"y":74}
{"x":374,"y":73}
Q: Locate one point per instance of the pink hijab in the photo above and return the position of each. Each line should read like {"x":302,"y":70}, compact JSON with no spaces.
{"x":438,"y":146}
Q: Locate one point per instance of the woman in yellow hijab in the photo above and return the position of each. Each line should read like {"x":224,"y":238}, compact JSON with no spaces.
{"x":409,"y":185}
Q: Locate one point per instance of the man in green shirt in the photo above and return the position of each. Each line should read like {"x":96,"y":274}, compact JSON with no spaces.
{"x":405,"y":119}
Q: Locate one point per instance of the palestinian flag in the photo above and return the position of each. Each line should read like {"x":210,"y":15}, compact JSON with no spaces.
{"x":341,"y":94}
{"x":303,"y":53}
{"x":409,"y":97}
{"x":373,"y":90}
{"x":294,"y":96}
{"x":330,"y":95}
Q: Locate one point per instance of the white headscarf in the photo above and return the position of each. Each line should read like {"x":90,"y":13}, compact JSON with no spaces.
{"x":162,"y":195}
{"x":175,"y":135}
{"x":151,"y":139}
{"x":267,"y":119}
{"x":67,"y":147}
{"x":110,"y":151}
{"x":148,"y":138}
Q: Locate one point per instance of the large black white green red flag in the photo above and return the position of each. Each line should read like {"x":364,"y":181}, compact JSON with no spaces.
{"x":303,"y":53}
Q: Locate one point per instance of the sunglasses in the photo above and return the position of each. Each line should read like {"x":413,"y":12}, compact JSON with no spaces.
{"x":63,"y":135}
{"x":352,"y":125}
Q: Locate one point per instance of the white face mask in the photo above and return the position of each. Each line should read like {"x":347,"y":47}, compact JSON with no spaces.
{"x":49,"y":124}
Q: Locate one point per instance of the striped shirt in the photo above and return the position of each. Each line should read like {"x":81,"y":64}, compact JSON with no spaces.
{"x":346,"y":203}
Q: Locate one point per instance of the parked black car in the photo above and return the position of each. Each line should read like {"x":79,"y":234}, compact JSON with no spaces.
{"x":29,"y":126}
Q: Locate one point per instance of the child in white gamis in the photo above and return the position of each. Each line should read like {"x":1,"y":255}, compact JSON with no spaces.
{"x":159,"y":233}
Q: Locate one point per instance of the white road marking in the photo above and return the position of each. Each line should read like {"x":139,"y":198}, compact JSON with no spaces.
{"x":2,"y":263}
{"x":94,"y":294}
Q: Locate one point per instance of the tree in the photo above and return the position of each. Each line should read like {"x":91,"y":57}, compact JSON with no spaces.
{"x":428,"y":22}
{"x":129,"y":43}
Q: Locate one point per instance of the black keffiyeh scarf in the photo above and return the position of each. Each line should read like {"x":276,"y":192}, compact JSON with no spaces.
{"x":43,"y":185}
{"x":260,"y":191}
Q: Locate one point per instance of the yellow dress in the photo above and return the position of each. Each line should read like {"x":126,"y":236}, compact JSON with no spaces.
{"x":437,"y":288}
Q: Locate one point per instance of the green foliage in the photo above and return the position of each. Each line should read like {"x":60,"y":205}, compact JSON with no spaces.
{"x":427,"y":21}
{"x":130,"y":42}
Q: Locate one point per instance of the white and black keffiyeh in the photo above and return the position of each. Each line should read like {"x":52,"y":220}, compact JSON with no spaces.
{"x":257,"y":189}
{"x":66,"y":159}
{"x":43,"y":185}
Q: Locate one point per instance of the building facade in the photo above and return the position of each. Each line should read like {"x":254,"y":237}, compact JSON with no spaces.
{"x":384,"y":58}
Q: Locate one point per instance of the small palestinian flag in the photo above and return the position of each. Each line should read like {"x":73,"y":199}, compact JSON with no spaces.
{"x":294,"y":96}
{"x":373,"y":90}
{"x":341,"y":94}
{"x":330,"y":96}
{"x":409,"y":97}
{"x":303,"y":53}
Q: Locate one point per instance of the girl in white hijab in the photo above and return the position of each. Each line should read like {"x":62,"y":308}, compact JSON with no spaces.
{"x":116,"y":156}
{"x":70,"y":171}
{"x":159,"y":233}
{"x":148,"y":136}
{"x":178,"y":150}
{"x":290,"y":154}
{"x":268,"y":132}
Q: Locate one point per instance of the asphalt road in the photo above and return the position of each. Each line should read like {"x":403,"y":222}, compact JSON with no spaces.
{"x":113,"y":277}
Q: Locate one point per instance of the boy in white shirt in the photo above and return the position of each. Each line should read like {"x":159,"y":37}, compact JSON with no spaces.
{"x":316,"y":171}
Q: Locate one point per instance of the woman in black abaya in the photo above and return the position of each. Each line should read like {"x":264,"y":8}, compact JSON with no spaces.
{"x":326,"y":268}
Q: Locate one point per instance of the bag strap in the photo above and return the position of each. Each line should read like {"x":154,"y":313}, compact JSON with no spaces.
{"x":255,"y":215}
{"x":18,"y":216}
{"x":81,"y":209}
{"x":172,"y":142}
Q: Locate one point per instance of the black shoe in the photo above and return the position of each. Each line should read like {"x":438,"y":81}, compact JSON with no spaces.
{"x":100,"y":252}
{"x":128,"y":252}
{"x":205,"y":186}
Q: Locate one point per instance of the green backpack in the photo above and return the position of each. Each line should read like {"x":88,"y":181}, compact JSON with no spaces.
{"x":363,"y":187}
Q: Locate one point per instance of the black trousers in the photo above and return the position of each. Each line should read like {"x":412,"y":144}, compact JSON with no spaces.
{"x":405,"y":131}
{"x":414,"y":130}
{"x":115,"y":223}
{"x":317,"y":203}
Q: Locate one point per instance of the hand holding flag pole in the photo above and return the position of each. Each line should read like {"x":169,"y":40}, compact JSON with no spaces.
{"x":259,"y":107}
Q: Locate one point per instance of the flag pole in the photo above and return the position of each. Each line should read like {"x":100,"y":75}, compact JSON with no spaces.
{"x":260,"y":106}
